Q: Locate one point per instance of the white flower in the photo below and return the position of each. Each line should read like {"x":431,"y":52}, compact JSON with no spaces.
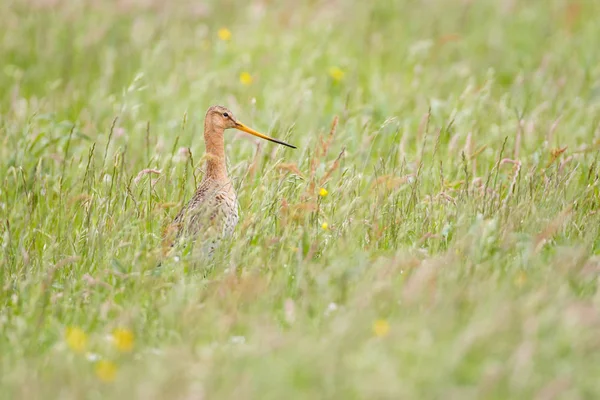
{"x":331,"y":308}
{"x":237,"y":340}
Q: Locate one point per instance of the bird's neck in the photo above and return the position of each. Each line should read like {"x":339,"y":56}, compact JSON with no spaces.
{"x":216,"y":167}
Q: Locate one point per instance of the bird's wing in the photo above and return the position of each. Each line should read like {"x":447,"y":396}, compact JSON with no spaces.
{"x":204,"y":212}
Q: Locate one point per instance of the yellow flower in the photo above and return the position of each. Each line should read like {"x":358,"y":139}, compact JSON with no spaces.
{"x":106,"y":371}
{"x":123,"y":339}
{"x":381,"y":328}
{"x":325,"y":226}
{"x":76,"y":339}
{"x":520,"y":279}
{"x":245,"y":78}
{"x":336,"y":73}
{"x":224,"y":34}
{"x":323,"y":192}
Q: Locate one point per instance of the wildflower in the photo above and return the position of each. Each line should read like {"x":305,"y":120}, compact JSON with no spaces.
{"x":123,"y":339}
{"x":325,"y":226}
{"x":184,"y":153}
{"x":224,"y":34}
{"x":331,"y":308}
{"x":381,"y":328}
{"x":245,"y":78}
{"x":106,"y":371}
{"x":323,"y":192}
{"x":238,"y":339}
{"x":76,"y":339}
{"x":520,"y":279}
{"x":120,"y":132}
{"x":336,"y":73}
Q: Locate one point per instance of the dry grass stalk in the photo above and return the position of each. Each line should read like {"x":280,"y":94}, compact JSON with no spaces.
{"x":290,"y":167}
{"x":144,"y":172}
{"x":518,"y":139}
{"x":554,"y":154}
{"x":321,"y":151}
{"x":254,"y":164}
{"x":390,"y":181}
{"x":513,"y":182}
{"x":332,"y":168}
{"x":551,"y":229}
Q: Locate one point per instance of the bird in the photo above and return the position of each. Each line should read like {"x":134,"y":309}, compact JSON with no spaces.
{"x":212,"y":212}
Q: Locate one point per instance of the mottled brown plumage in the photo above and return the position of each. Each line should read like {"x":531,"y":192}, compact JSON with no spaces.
{"x":212,"y":213}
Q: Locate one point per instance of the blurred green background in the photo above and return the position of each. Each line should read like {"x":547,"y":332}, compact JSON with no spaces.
{"x":440,"y":241}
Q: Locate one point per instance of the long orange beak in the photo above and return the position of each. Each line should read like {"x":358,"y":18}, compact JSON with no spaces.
{"x":244,"y":128}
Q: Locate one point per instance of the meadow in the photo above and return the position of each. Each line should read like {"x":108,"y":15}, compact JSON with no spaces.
{"x":435,"y":235}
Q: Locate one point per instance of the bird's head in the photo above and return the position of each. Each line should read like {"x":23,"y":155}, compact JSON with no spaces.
{"x":222,"y":118}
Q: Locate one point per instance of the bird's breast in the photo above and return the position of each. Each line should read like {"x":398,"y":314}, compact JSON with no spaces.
{"x":230,"y":207}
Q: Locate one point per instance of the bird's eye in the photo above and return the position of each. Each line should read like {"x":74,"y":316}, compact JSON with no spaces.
{"x":226,"y":115}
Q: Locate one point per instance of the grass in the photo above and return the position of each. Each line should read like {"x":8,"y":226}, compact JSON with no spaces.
{"x":455,"y":254}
